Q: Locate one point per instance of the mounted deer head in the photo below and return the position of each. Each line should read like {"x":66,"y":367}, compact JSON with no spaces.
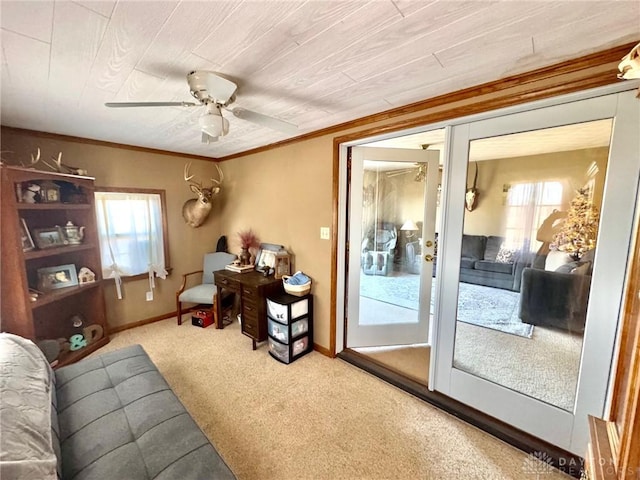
{"x":196,"y":210}
{"x":472,"y":194}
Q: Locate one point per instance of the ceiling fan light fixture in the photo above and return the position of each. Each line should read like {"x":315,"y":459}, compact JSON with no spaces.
{"x":213,"y":123}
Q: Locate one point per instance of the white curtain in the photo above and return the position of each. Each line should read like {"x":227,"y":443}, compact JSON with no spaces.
{"x":131,"y":237}
{"x":529,"y":204}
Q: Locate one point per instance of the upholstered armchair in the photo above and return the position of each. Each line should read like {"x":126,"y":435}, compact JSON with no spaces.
{"x":414,"y":257}
{"x":554,"y":299}
{"x":205,"y":292}
{"x":378,"y":248}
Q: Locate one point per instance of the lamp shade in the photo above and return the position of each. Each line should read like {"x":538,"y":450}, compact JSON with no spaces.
{"x":409,"y":225}
{"x":213,"y":123}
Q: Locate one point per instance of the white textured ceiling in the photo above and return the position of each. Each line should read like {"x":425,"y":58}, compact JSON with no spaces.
{"x":312,"y":63}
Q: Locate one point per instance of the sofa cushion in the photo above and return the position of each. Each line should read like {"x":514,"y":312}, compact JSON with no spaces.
{"x":120,"y":419}
{"x":493,"y":247}
{"x":469,"y":263}
{"x":473,"y":246}
{"x":497,"y":267}
{"x":28,"y":424}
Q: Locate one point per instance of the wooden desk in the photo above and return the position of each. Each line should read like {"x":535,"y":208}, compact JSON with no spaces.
{"x":253,"y":289}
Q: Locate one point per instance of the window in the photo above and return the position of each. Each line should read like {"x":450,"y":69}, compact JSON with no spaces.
{"x":132,"y":233}
{"x":528,"y":204}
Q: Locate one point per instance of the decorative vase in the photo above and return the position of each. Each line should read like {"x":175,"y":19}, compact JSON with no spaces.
{"x":245,"y":257}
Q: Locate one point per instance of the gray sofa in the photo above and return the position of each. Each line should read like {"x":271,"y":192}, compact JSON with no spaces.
{"x":479,"y":264}
{"x":110,"y":416}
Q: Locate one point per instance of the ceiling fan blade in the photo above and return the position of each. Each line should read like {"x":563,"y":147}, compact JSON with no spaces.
{"x":265,"y":120}
{"x":206,"y":138}
{"x":150,"y":104}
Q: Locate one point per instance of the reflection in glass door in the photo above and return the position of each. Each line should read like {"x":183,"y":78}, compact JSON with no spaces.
{"x":526,"y":265}
{"x":391,"y":232}
{"x":533,"y":274}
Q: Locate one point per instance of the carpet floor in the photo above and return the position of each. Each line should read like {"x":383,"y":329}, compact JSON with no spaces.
{"x":317,"y":418}
{"x":488,"y":307}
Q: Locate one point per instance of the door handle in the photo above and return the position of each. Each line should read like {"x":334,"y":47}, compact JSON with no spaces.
{"x":429,"y":243}
{"x":428,"y":258}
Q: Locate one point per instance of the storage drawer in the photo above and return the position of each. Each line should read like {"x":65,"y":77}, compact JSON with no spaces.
{"x":288,"y":353}
{"x":286,"y":311}
{"x":280,"y":352}
{"x":300,"y":346}
{"x":249,"y":310}
{"x":231,"y":285}
{"x":250,"y":327}
{"x":281,"y":332}
{"x":250,"y":293}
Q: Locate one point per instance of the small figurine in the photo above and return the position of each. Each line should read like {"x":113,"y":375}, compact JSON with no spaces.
{"x":86,"y":276}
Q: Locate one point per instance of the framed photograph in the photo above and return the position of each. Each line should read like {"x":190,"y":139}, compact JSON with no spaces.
{"x":283,"y":264}
{"x":266,"y":257}
{"x":25,"y":237}
{"x":49,"y":237}
{"x":51,"y":278}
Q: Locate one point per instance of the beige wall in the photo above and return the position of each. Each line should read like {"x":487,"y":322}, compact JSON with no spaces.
{"x":284,"y":195}
{"x":121,"y":167}
{"x":568,"y":167}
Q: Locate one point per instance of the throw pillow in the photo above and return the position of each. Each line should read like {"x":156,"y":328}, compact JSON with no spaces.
{"x":582,"y":268}
{"x":567,"y":267}
{"x":505,"y":255}
{"x":555,"y":258}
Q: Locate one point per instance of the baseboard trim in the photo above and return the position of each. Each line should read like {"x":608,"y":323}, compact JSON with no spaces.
{"x":562,"y":460}
{"x":146,"y":321}
{"x":324,"y":351}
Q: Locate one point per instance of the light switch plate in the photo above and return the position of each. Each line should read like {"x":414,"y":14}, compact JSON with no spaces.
{"x":324,"y":233}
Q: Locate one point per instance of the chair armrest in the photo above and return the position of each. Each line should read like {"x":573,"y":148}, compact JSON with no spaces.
{"x":184,"y":280}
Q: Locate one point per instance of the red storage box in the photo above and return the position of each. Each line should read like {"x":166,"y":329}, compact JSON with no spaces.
{"x":202,"y":318}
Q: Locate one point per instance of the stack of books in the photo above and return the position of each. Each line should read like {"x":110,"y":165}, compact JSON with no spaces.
{"x":239,"y":268}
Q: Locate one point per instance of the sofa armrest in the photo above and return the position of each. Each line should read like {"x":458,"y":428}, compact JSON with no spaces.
{"x":554,"y":299}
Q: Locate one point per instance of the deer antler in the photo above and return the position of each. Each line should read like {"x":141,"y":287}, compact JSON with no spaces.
{"x":35,"y":159}
{"x":220,"y":175}
{"x":187,"y":177}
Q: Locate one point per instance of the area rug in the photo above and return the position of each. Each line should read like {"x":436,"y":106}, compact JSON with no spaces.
{"x":478,"y":305}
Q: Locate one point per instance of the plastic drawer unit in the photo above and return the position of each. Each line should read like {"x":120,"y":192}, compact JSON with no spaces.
{"x":289,"y":326}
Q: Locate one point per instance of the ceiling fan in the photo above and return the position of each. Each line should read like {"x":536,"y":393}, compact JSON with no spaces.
{"x":215,"y":93}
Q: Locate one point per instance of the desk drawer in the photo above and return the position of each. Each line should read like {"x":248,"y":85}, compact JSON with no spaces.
{"x":229,"y":284}
{"x":250,"y":327}
{"x":250,"y":293}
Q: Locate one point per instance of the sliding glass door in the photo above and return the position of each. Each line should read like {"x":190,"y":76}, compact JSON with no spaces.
{"x":532,"y":263}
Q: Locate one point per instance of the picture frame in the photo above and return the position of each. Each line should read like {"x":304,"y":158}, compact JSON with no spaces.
{"x":49,"y":237}
{"x":61,"y":276}
{"x":25,"y":237}
{"x":266,"y":257}
{"x":282,"y":264}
